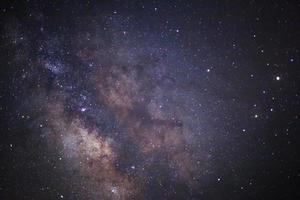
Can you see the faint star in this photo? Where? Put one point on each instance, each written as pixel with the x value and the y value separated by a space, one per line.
pixel 114 190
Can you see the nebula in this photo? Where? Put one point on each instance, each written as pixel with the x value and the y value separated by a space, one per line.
pixel 149 100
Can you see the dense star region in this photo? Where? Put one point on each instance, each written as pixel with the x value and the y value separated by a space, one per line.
pixel 149 100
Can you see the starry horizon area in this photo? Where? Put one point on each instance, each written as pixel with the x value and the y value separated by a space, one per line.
pixel 149 100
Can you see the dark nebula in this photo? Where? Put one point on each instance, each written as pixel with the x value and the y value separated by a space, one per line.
pixel 149 100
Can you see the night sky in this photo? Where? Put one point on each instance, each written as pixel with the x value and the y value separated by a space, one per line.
pixel 151 100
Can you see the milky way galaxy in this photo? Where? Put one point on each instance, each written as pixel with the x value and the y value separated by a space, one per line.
pixel 149 100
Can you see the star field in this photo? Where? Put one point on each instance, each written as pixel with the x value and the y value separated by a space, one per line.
pixel 149 100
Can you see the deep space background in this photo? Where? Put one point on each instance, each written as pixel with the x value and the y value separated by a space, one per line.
pixel 149 99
